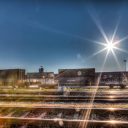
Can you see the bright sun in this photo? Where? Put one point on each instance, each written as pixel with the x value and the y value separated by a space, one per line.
pixel 110 46
pixel 110 42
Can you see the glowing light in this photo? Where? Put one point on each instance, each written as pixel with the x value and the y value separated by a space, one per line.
pixel 112 92
pixel 113 121
pixel 110 46
pixel 111 97
pixel 111 109
pixel 61 123
pixel 55 119
pixel 77 109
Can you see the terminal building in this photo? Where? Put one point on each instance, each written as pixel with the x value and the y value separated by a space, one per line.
pixel 76 77
pixel 12 76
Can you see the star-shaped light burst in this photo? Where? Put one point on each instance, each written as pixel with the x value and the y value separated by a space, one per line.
pixel 110 45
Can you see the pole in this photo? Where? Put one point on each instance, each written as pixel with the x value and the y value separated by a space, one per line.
pixel 125 61
pixel 125 74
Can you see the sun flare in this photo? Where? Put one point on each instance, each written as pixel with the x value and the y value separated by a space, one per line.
pixel 110 46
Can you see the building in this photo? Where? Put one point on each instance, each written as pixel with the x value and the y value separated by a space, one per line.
pixel 41 77
pixel 111 77
pixel 76 77
pixel 12 76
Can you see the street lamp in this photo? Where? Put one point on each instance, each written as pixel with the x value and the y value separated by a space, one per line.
pixel 125 61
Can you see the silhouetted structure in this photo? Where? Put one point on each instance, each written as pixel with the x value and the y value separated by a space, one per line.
pixel 76 77
pixel 41 77
pixel 113 77
pixel 12 76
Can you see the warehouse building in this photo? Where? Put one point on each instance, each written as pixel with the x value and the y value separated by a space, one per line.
pixel 76 77
pixel 12 76
pixel 111 77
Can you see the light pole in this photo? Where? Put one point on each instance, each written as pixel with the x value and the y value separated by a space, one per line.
pixel 125 61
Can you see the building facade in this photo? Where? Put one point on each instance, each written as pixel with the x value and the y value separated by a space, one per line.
pixel 12 76
pixel 111 77
pixel 41 77
pixel 76 77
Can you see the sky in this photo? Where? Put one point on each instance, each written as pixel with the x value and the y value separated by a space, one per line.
pixel 61 34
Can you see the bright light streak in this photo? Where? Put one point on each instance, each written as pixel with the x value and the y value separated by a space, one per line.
pixel 116 59
pixel 113 121
pixel 87 114
pixel 115 31
pixel 99 51
pixel 112 92
pixel 111 97
pixel 121 40
pixel 111 109
pixel 55 119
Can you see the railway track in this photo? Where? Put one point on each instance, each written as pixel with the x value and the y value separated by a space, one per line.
pixel 54 109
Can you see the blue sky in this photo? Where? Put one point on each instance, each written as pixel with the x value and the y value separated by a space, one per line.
pixel 56 34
